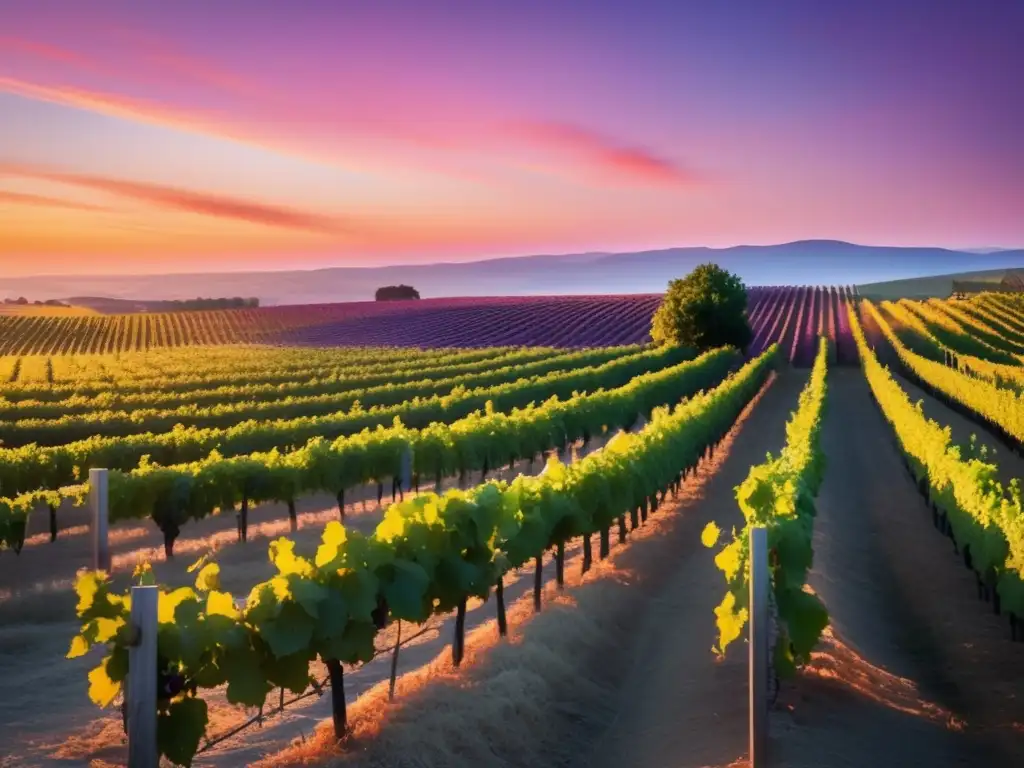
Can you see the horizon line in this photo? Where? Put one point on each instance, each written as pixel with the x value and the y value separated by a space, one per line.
pixel 486 259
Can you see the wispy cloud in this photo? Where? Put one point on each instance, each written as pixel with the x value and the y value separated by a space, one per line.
pixel 317 128
pixel 602 153
pixel 114 105
pixel 36 49
pixel 44 201
pixel 191 201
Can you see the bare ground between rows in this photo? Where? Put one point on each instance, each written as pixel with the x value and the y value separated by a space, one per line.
pixel 914 669
pixel 43 699
pixel 672 703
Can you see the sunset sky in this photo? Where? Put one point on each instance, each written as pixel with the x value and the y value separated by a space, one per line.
pixel 142 136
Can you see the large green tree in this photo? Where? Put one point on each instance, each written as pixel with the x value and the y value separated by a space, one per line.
pixel 705 309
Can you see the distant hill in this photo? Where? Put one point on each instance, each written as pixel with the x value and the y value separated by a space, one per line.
pixel 809 262
pixel 935 286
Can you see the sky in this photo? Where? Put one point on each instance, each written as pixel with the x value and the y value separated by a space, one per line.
pixel 139 136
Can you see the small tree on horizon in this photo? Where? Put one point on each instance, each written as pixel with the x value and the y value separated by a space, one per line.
pixel 704 310
pixel 396 293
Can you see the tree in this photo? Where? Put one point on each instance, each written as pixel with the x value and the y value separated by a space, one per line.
pixel 705 309
pixel 396 293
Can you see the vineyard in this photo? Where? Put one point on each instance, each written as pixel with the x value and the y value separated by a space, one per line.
pixel 514 531
pixel 558 321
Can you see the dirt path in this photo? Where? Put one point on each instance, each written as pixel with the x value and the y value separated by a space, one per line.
pixel 676 705
pixel 1010 464
pixel 915 670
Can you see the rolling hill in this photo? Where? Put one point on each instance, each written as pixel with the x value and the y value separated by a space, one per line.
pixel 809 262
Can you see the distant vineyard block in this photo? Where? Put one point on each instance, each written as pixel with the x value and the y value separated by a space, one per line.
pixel 554 321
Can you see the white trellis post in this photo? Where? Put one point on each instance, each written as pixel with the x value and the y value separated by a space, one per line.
pixel 99 502
pixel 141 693
pixel 759 670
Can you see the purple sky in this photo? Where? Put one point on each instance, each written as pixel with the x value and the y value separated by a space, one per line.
pixel 155 136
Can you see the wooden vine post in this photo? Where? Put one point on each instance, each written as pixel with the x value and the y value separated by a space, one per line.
pixel 99 502
pixel 759 670
pixel 142 679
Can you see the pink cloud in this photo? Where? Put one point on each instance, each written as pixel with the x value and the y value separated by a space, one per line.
pixel 35 49
pixel 191 201
pixel 317 127
pixel 106 103
pixel 43 201
pixel 602 153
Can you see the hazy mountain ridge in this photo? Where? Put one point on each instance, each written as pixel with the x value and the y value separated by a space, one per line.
pixel 812 262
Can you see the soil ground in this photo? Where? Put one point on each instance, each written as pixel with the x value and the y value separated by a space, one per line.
pixel 915 669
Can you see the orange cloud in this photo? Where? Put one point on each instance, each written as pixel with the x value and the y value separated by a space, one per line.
pixel 191 201
pixel 111 104
pixel 602 153
pixel 24 198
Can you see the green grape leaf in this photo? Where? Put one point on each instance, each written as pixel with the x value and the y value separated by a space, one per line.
pixel 406 590
pixel 94 598
pixel 79 647
pixel 117 664
pixel 102 689
pixel 289 672
pixel 359 588
pixel 731 559
pixel 168 602
pixel 208 578
pixel 330 554
pixel 107 629
pixel 354 646
pixel 210 675
pixel 282 555
pixel 262 604
pixel 247 683
pixel 805 618
pixel 307 593
pixel 180 729
pixel 709 536
pixel 333 615
pixel 221 604
pixel 730 620
pixel 87 586
pixel 290 631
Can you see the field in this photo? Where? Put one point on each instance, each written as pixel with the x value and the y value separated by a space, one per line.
pixel 556 321
pixel 529 522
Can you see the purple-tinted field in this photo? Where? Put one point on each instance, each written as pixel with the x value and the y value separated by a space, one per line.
pixel 792 316
pixel 557 321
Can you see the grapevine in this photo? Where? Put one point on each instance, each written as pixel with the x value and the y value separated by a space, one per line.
pixel 427 556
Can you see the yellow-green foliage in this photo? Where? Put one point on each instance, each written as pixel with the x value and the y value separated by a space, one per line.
pixel 779 495
pixel 986 518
